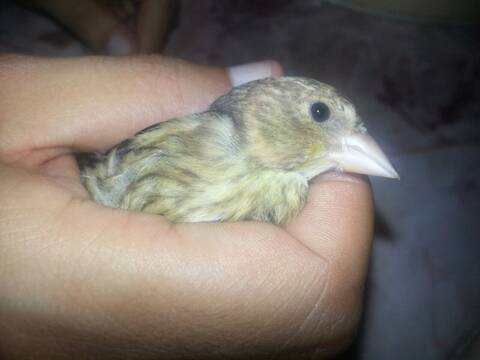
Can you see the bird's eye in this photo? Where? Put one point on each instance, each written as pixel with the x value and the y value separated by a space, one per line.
pixel 320 112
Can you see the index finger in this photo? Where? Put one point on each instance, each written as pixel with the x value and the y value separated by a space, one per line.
pixel 91 103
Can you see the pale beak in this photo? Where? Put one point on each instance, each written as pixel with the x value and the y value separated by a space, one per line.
pixel 360 154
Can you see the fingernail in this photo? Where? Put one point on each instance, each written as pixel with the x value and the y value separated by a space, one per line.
pixel 119 44
pixel 333 176
pixel 241 74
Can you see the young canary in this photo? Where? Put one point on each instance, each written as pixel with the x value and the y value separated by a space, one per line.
pixel 249 156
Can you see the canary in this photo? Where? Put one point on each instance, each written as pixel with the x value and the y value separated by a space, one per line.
pixel 249 156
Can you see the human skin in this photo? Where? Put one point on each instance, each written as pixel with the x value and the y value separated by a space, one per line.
pixel 78 280
pixel 113 26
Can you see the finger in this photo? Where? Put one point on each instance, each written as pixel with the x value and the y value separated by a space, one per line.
pixel 153 21
pixel 123 9
pixel 90 104
pixel 95 24
pixel 337 224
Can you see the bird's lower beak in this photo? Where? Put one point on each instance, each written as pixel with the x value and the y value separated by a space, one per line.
pixel 360 154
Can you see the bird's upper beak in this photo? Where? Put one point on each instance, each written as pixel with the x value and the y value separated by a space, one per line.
pixel 359 153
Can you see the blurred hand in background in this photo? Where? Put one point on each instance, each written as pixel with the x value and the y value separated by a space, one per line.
pixel 115 27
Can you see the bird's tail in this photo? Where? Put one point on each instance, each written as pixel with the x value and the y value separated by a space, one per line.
pixel 103 181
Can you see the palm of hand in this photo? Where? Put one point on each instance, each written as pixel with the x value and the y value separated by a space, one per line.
pixel 122 280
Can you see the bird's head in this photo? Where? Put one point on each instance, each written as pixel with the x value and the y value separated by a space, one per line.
pixel 302 125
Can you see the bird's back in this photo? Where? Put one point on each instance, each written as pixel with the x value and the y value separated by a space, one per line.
pixel 193 170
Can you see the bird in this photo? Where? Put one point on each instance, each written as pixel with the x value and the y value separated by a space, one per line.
pixel 250 156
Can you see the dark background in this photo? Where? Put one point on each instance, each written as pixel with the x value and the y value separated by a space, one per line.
pixel 416 84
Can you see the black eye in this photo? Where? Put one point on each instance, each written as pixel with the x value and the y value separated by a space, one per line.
pixel 320 112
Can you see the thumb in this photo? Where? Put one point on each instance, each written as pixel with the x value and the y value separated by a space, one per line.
pixel 337 224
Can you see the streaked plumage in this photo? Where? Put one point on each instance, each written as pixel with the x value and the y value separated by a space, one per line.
pixel 249 156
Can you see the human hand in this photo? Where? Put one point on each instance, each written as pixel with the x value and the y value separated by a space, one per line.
pixel 115 27
pixel 79 280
